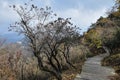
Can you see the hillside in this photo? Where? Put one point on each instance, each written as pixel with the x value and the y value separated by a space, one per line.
pixel 105 34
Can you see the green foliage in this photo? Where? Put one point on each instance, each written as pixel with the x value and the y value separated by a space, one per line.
pixel 92 37
pixel 114 43
pixel 90 55
pixel 116 14
pixel 117 3
pixel 103 20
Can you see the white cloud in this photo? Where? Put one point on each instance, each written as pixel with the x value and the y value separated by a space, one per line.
pixel 6 14
pixel 46 2
pixel 82 17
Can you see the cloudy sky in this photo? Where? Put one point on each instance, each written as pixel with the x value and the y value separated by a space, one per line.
pixel 82 12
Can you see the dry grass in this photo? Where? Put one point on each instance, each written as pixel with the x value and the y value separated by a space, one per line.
pixel 16 66
pixel 71 73
pixel 113 61
pixel 114 77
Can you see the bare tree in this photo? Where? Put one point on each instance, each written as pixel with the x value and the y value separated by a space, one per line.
pixel 50 41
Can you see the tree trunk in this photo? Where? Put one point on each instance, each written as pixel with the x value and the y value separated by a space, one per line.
pixel 58 76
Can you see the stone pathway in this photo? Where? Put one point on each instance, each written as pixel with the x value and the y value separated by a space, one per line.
pixel 92 70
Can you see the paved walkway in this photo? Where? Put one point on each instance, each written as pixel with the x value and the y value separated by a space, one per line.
pixel 92 70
